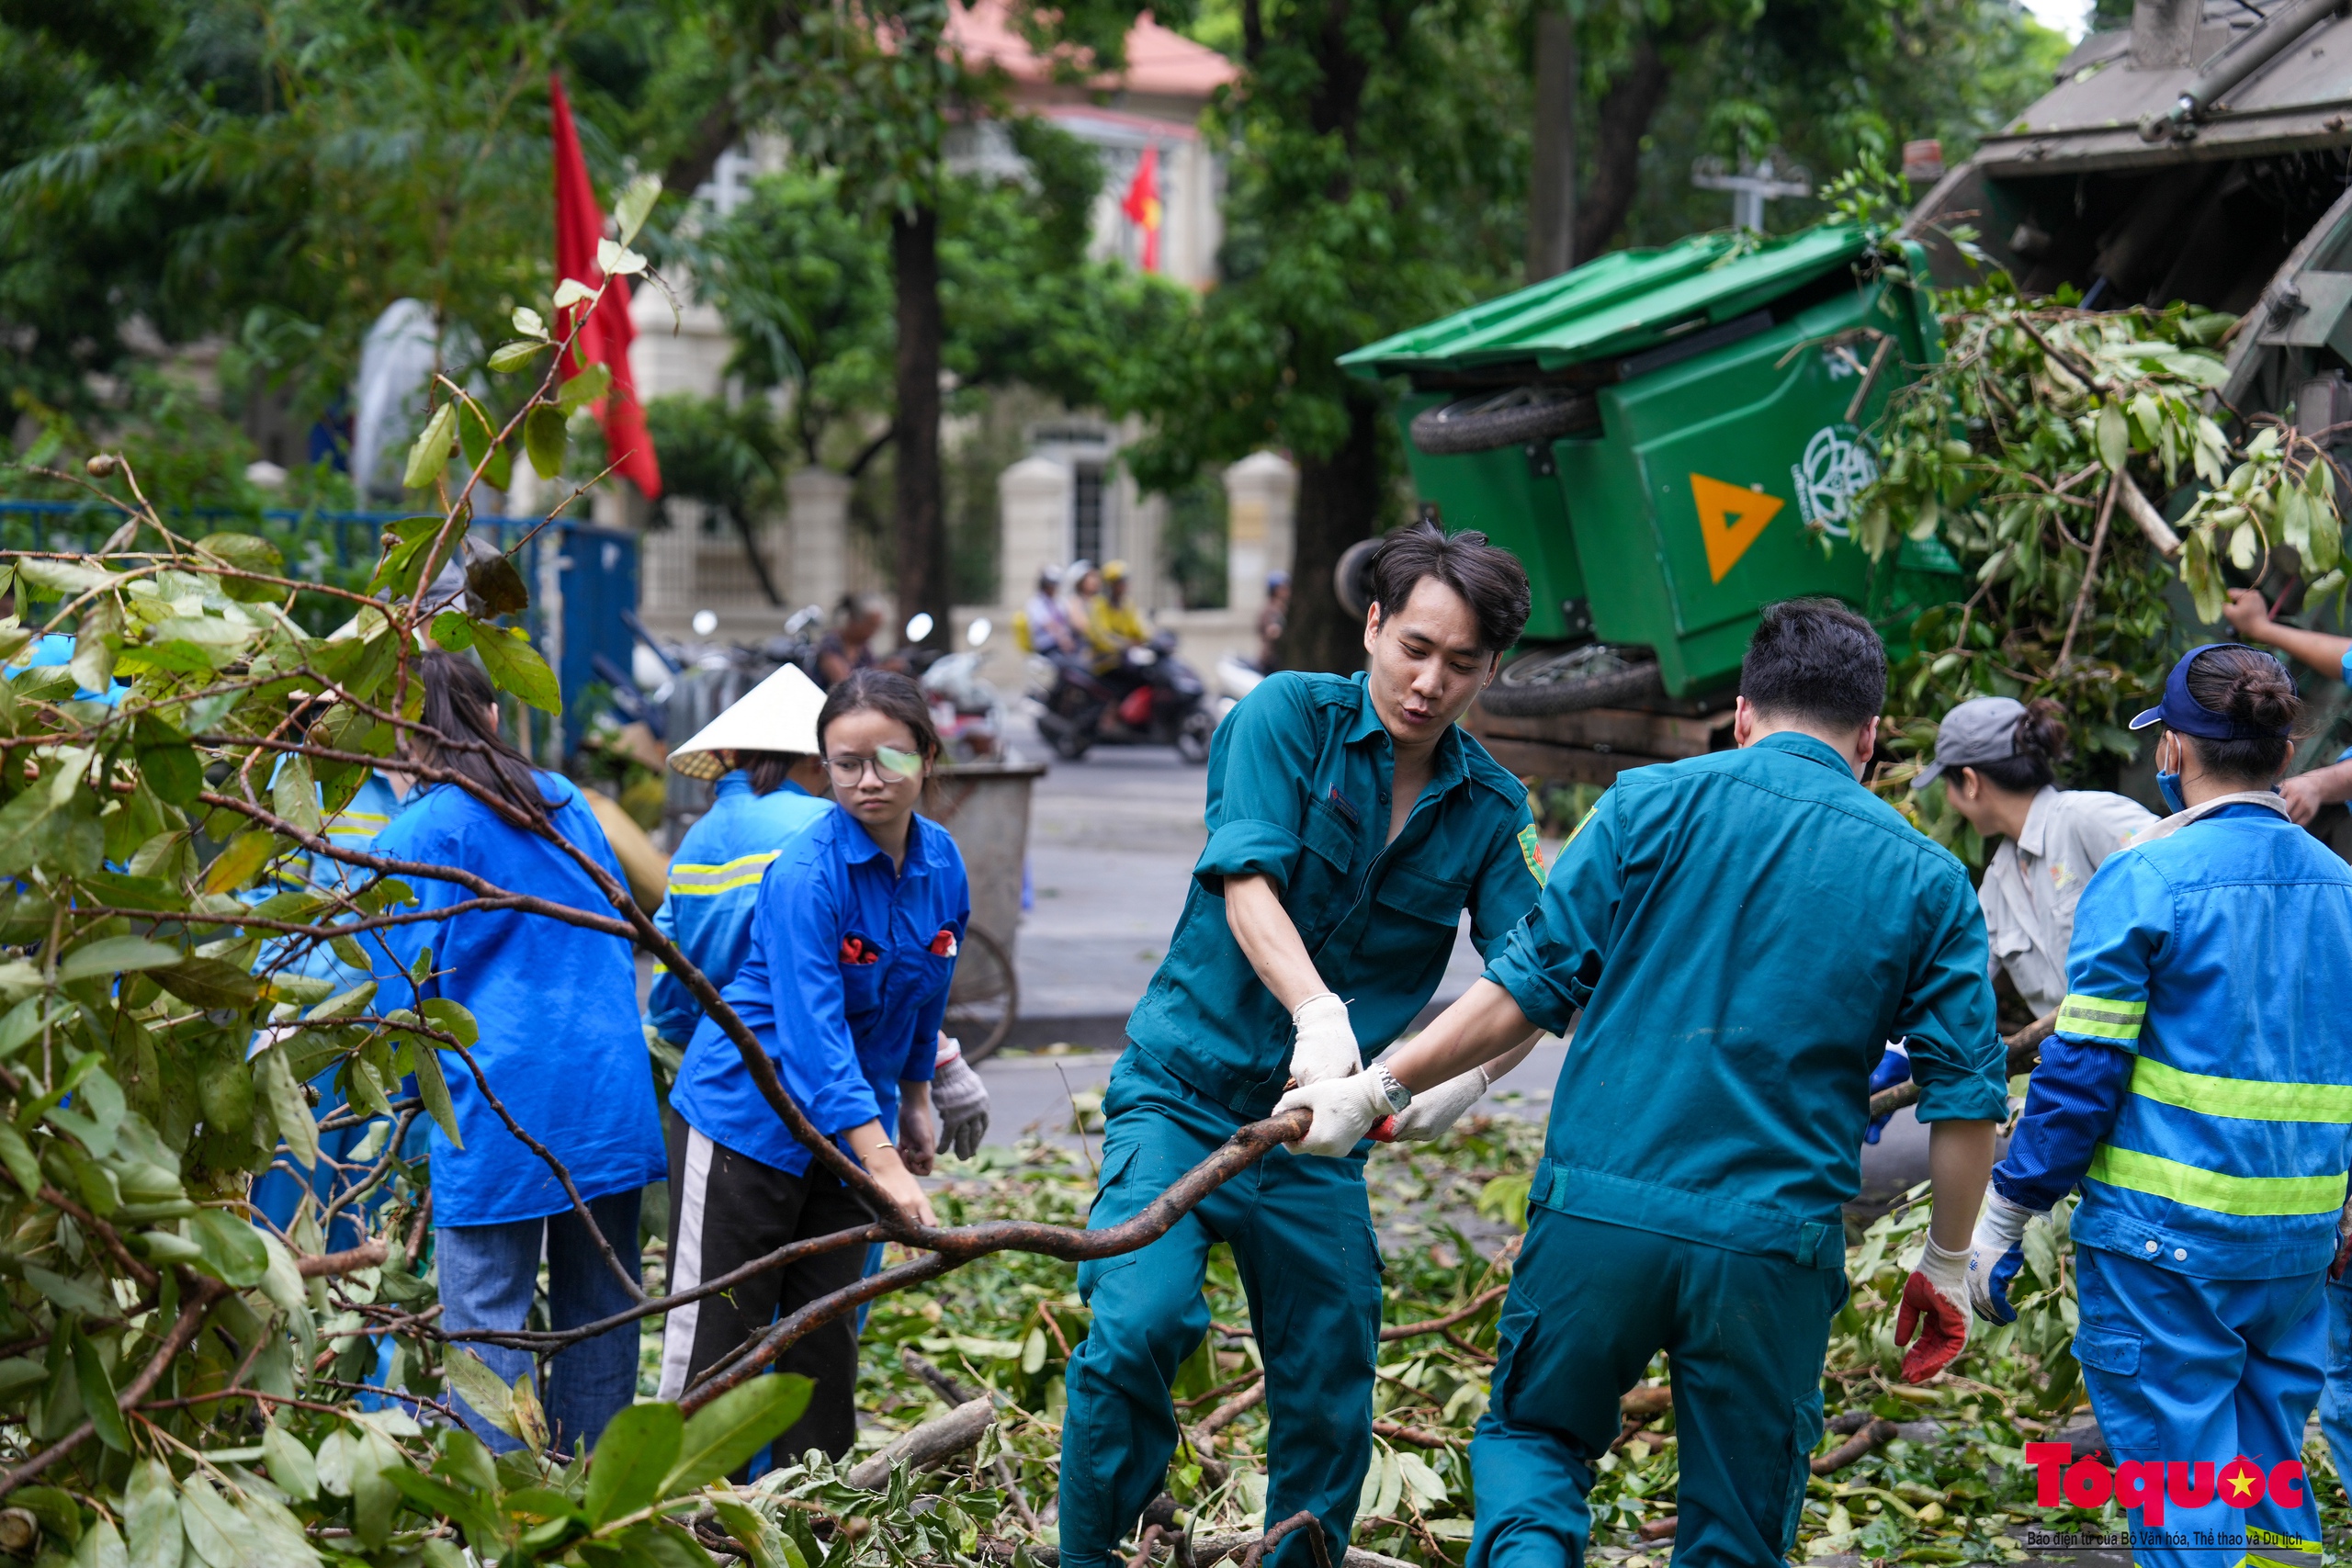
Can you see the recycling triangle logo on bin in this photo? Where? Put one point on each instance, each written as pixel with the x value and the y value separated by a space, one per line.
pixel 1730 518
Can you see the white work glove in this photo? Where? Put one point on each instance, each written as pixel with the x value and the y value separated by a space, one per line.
pixel 1327 1041
pixel 1994 1257
pixel 1935 1302
pixel 961 1102
pixel 1345 1109
pixel 1435 1110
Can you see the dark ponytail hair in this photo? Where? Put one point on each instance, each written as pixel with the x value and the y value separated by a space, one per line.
pixel 2250 688
pixel 2041 742
pixel 889 693
pixel 457 703
pixel 768 770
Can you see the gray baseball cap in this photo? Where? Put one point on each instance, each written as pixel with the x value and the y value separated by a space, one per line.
pixel 1980 730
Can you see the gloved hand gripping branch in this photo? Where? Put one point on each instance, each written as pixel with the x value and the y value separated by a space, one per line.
pixel 1892 1068
pixel 1433 1111
pixel 961 1102
pixel 1344 1111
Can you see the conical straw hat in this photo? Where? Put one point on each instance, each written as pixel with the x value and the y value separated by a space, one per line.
pixel 777 715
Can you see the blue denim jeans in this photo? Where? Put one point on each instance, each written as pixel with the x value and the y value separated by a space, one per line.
pixel 489 1274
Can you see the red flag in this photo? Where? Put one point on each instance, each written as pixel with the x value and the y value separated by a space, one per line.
pixel 1142 204
pixel 605 336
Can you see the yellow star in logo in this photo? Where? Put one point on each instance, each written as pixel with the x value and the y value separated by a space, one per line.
pixel 2241 1483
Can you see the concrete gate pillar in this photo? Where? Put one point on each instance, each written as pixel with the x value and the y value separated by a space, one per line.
pixel 818 501
pixel 1261 498
pixel 1033 504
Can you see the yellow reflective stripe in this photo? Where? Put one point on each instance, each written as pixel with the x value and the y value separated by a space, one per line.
pixel 2248 1099
pixel 2252 1195
pixel 366 823
pixel 734 873
pixel 2100 1019
pixel 660 967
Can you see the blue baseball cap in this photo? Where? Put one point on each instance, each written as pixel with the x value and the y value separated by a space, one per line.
pixel 2184 712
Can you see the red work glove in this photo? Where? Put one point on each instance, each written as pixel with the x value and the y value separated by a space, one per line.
pixel 1935 1301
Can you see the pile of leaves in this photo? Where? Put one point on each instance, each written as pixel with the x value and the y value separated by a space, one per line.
pixel 2047 449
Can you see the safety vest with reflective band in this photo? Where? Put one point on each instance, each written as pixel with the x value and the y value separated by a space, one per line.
pixel 714 887
pixel 2213 949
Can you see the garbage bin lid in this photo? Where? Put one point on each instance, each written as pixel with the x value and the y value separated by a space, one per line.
pixel 1621 303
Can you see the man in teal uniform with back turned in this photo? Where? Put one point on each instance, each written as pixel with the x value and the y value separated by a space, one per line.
pixel 1350 825
pixel 1744 931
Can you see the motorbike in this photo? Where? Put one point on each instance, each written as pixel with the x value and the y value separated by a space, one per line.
pixel 967 710
pixel 1152 698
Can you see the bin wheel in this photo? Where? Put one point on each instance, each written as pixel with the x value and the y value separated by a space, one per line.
pixel 1557 680
pixel 984 997
pixel 1192 736
pixel 1485 422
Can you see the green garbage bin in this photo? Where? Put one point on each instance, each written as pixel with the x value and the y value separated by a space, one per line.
pixel 1670 440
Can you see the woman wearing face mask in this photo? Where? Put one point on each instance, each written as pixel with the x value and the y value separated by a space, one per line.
pixel 852 944
pixel 1998 758
pixel 2199 1093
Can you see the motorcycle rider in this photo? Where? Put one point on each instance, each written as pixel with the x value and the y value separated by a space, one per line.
pixel 1045 626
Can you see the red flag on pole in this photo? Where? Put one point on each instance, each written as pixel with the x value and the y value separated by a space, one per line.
pixel 1142 204
pixel 605 336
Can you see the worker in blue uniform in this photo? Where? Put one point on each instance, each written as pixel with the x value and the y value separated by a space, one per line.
pixel 1350 822
pixel 560 1046
pixel 853 947
pixel 1743 931
pixel 762 755
pixel 2199 1093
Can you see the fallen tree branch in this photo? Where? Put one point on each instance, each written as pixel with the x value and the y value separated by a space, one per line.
pixel 1880 1431
pixel 927 1444
pixel 2025 1050
pixel 323 1265
pixel 1419 1436
pixel 1477 1303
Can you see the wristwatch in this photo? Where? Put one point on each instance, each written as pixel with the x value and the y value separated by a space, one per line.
pixel 1399 1095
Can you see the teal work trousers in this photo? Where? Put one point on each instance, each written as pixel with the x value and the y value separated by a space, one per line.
pixel 1301 1232
pixel 1589 1304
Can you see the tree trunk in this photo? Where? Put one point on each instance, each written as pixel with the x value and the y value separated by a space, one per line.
pixel 1623 119
pixel 922 528
pixel 1339 503
pixel 1551 194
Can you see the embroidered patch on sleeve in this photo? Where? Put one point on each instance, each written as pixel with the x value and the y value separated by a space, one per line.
pixel 1531 848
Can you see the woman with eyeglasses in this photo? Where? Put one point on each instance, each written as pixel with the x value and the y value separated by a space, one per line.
pixel 845 984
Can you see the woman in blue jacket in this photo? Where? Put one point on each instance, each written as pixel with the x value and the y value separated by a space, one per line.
pixel 2198 1091
pixel 852 944
pixel 560 1047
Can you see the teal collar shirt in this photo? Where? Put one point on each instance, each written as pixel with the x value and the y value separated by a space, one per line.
pixel 1744 931
pixel 1300 786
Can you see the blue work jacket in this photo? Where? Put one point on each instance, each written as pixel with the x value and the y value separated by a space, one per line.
pixel 2205 1107
pixel 845 983
pixel 1299 789
pixel 1744 931
pixel 354 827
pixel 715 887
pixel 557 1006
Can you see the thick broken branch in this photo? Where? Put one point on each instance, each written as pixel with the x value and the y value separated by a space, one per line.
pixel 1880 1431
pixel 2025 1050
pixel 926 1445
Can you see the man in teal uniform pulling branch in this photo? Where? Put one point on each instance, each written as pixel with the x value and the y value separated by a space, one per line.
pixel 1744 932
pixel 1349 824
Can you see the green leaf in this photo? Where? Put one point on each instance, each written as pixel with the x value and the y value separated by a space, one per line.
pixel 294 794
pixel 209 982
pixel 239 863
pixel 232 1250
pixel 514 665
pixel 453 631
pixel 511 357
pixel 752 1532
pixel 543 438
pixel 96 645
pixel 97 1388
pixel 22 822
pixel 481 1388
pixel 636 1452
pixel 172 772
pixel 2114 437
pixel 430 1086
pixel 582 389
pixel 492 578
pixel 375 1489
pixel 116 956
pixel 287 1106
pixel 152 1516
pixel 471 1511
pixel 246 552
pixel 101 1547
pixel 72 1295
pixel 478 436
pixel 635 205
pixel 430 456
pixel 17 1156
pixel 727 1432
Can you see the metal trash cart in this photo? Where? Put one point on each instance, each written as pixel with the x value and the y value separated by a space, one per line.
pixel 984 808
